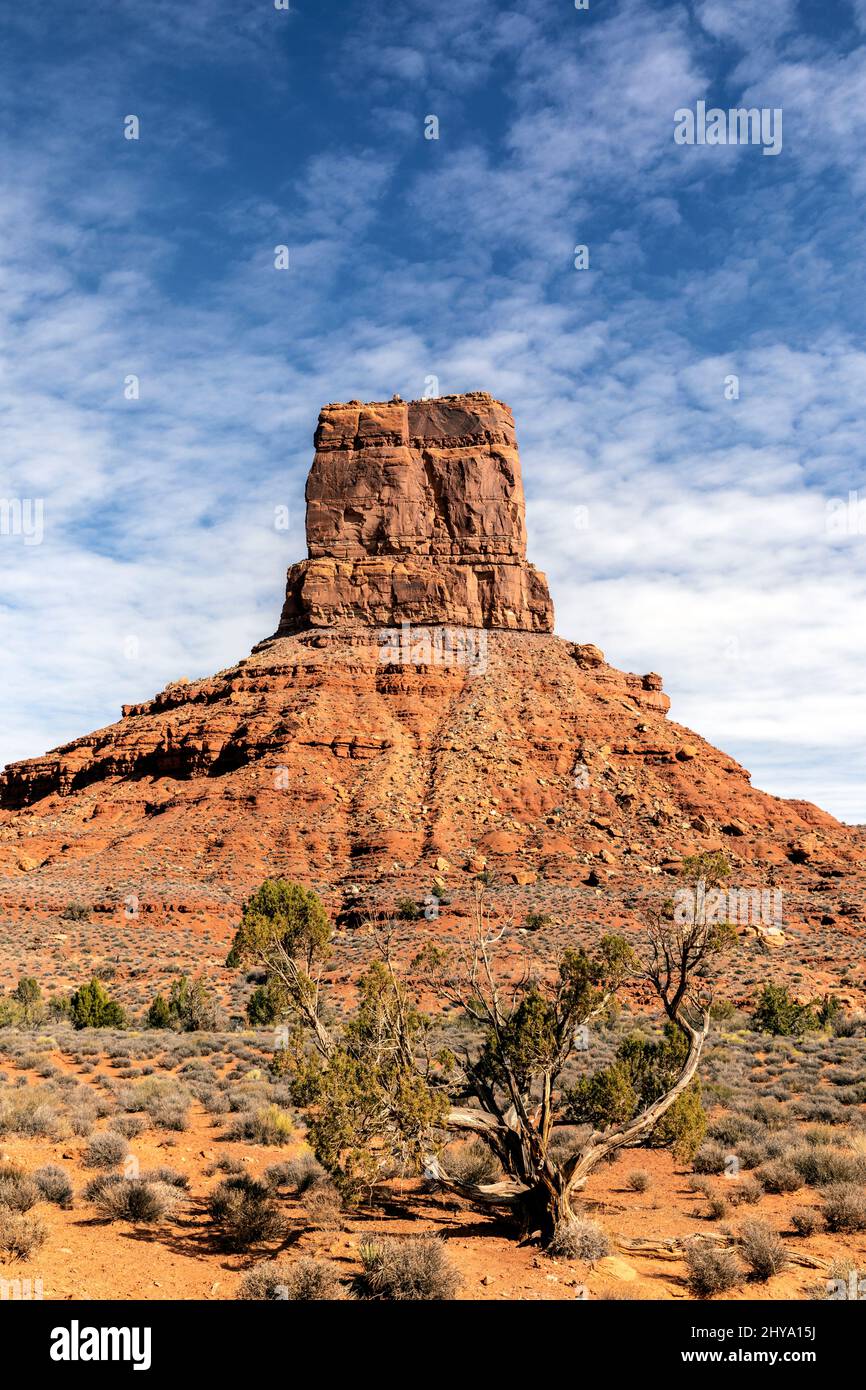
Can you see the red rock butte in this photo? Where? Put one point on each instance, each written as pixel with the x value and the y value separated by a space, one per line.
pixel 415 513
pixel 327 757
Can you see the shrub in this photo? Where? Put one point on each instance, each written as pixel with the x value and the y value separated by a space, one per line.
pixel 323 1205
pixel 845 1207
pixel 579 1239
pixel 133 1199
pixel 416 1268
pixel 763 1250
pixel 297 1174
pixel 54 1184
pixel 169 1176
pixel 95 1188
pixel 472 1163
pixel 746 1191
pixel 244 1211
pixel 130 1126
pixel 270 1125
pixel 717 1206
pixel 407 910
pixel 18 1192
pixel 168 1108
pixel 819 1166
pixel 638 1180
pixel 20 1235
pixel 806 1220
pixel 779 1175
pixel 710 1271
pixel 710 1158
pixel 105 1150
pixel 306 1281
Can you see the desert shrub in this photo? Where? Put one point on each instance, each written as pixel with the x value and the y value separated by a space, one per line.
pixel 579 1239
pixel 105 1150
pixel 269 1125
pixel 169 1176
pixel 819 1166
pixel 415 1268
pixel 20 1235
pixel 732 1128
pixel 306 1281
pixel 710 1271
pixel 638 1180
pixel 473 1162
pixel 779 1175
pixel 134 1199
pixel 130 1126
pixel 746 1191
pixel 717 1206
pixel 244 1211
pixel 75 912
pixel 753 1152
pixel 845 1207
pixel 323 1205
pixel 806 1220
pixel 18 1192
pixel 843 1280
pixel 95 1188
pixel 710 1158
pixel 54 1184
pixel 537 921
pixel 297 1174
pixel 169 1110
pixel 763 1250
pixel 407 910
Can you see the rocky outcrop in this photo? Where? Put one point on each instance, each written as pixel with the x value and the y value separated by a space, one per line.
pixel 367 768
pixel 416 514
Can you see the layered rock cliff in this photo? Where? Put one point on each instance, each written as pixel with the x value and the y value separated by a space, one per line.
pixel 415 513
pixel 350 758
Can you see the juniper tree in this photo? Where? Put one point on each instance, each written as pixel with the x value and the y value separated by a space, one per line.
pixel 378 1093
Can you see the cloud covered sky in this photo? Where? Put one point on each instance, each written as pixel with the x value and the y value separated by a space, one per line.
pixel 682 530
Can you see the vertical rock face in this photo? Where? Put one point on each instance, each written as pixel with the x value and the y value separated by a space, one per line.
pixel 415 513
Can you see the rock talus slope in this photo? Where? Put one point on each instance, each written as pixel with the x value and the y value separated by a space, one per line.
pixel 333 755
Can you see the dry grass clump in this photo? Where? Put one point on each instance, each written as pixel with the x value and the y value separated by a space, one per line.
pixel 134 1199
pixel 416 1268
pixel 307 1281
pixel 763 1250
pixel 244 1212
pixel 20 1235
pixel 579 1239
pixel 710 1271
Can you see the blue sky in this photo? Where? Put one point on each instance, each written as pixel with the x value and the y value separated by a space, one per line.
pixel 708 547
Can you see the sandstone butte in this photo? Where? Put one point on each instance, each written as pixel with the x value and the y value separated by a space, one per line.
pixel 413 716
